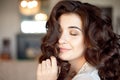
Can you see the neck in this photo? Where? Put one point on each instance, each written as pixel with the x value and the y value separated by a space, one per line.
pixel 77 64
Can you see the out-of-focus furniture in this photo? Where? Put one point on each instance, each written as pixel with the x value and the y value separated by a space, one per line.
pixel 28 45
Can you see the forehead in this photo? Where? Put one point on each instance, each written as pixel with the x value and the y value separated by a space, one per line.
pixel 70 19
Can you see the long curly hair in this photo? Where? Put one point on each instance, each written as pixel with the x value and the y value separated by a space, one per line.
pixel 103 45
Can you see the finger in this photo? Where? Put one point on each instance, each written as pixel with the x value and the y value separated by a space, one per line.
pixel 48 64
pixel 43 66
pixel 39 69
pixel 53 62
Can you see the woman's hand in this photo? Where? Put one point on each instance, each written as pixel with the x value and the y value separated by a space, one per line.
pixel 47 70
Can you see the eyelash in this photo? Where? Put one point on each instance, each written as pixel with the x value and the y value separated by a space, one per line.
pixel 73 34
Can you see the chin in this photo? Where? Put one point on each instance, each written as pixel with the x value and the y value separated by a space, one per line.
pixel 65 58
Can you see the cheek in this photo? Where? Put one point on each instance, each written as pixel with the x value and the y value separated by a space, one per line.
pixel 78 40
pixel 79 44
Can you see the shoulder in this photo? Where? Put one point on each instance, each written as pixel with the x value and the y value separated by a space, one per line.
pixel 87 72
pixel 87 76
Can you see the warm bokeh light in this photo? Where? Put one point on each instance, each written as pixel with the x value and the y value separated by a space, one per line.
pixel 23 4
pixel 41 17
pixel 35 3
pixel 29 7
pixel 29 4
pixel 32 4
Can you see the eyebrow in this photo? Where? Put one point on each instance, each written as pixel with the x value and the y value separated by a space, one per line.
pixel 75 27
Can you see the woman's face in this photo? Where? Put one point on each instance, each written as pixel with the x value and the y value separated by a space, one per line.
pixel 71 42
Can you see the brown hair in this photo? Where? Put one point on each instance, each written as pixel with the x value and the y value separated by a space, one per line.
pixel 103 45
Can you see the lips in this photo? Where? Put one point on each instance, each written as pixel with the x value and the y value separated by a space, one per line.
pixel 62 50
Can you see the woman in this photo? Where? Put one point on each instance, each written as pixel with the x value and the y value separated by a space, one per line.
pixel 79 45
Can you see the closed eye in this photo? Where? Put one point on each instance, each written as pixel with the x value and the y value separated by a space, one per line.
pixel 74 33
pixel 74 30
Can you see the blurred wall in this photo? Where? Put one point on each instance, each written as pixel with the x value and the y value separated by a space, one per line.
pixel 9 23
pixel 10 18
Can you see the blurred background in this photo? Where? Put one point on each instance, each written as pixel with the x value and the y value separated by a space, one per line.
pixel 22 25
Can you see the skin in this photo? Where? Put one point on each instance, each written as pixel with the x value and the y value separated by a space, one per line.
pixel 47 70
pixel 71 44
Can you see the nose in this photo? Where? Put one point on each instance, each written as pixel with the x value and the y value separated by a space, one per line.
pixel 63 39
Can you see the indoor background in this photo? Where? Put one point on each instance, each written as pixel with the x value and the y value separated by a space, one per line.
pixel 21 30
